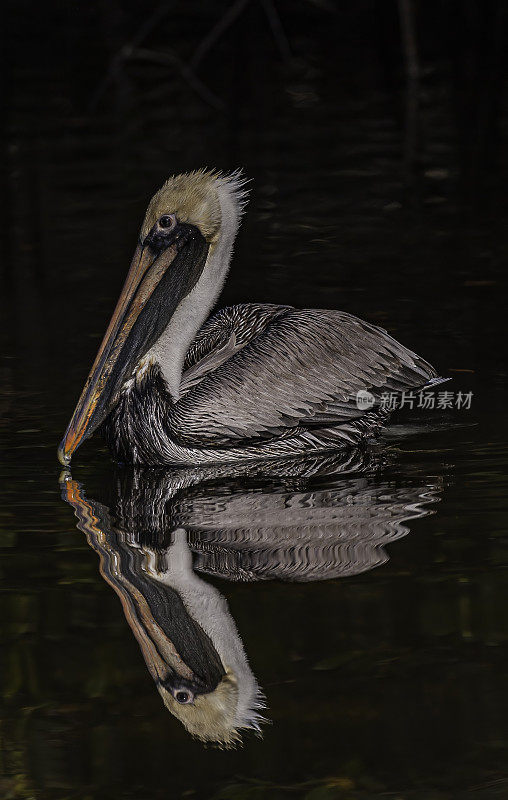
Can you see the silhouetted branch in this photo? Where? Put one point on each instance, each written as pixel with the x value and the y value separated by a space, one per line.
pixel 278 31
pixel 118 59
pixel 169 57
pixel 216 32
pixel 132 49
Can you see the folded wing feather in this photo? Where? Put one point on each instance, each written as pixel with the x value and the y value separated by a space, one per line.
pixel 257 370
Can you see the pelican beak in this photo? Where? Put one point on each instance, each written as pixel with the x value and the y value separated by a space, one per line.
pixel 179 655
pixel 162 272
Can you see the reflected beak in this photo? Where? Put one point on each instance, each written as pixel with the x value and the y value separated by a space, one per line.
pixel 124 343
pixel 174 646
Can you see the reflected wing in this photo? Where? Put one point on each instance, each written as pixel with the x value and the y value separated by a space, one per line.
pixel 291 369
pixel 305 535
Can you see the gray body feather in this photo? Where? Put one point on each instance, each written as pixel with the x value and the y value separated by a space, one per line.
pixel 265 381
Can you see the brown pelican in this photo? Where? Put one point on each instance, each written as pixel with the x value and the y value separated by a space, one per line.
pixel 186 633
pixel 253 382
pixel 167 525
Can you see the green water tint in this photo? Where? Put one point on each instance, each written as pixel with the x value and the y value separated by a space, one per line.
pixel 414 646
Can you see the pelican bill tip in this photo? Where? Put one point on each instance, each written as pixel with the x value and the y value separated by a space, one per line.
pixel 63 456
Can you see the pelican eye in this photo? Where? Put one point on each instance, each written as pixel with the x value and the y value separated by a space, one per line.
pixel 183 697
pixel 167 221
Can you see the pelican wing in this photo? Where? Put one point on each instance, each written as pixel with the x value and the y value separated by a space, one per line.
pixel 225 334
pixel 269 370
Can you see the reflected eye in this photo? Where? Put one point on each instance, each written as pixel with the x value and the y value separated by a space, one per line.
pixel 167 221
pixel 183 697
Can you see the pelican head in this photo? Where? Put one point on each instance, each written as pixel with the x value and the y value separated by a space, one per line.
pixel 190 224
pixel 212 717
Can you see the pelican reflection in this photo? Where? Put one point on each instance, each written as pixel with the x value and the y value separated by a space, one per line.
pixel 301 523
pixel 314 519
pixel 182 624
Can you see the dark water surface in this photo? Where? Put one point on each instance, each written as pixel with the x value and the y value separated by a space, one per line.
pixel 371 594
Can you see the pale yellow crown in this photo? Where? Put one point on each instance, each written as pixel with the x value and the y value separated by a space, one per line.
pixel 213 717
pixel 194 198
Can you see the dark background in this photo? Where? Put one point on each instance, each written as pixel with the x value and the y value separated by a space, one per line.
pixel 378 160
pixel 376 137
